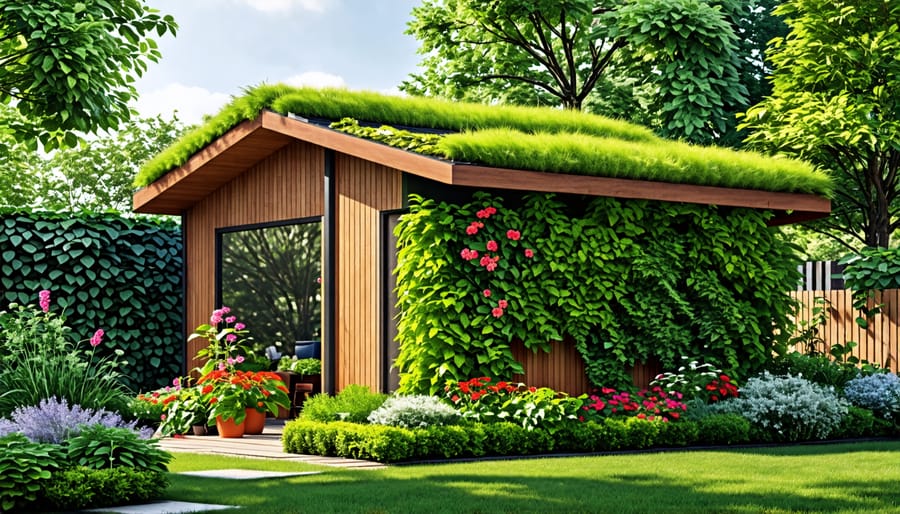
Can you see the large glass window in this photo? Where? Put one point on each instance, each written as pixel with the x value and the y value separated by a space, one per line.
pixel 270 277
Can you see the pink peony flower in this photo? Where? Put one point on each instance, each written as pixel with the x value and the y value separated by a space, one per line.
pixel 230 319
pixel 487 293
pixel 239 326
pixel 513 234
pixel 225 310
pixel 502 304
pixel 492 246
pixel 497 312
pixel 471 230
pixel 231 338
pixel 529 253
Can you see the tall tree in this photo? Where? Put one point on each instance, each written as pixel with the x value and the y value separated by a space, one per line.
pixel 95 175
pixel 672 64
pixel 71 65
pixel 836 102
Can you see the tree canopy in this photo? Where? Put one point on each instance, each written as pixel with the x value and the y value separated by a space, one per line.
pixel 70 66
pixel 680 66
pixel 94 175
pixel 836 103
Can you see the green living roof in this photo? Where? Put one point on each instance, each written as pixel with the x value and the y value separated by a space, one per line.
pixel 527 138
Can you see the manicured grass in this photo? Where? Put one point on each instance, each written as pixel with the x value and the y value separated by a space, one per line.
pixel 834 478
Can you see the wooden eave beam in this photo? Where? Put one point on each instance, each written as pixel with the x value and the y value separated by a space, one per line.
pixel 800 207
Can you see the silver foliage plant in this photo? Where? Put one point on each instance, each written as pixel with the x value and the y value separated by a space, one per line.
pixel 414 411
pixel 789 407
pixel 879 393
pixel 53 421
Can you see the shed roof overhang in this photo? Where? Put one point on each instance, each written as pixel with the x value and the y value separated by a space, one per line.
pixel 252 141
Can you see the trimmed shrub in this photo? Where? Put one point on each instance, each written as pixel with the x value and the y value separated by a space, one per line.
pixel 789 408
pixel 859 422
pixel 723 429
pixel 879 393
pixel 81 487
pixel 353 404
pixel 682 433
pixel 24 468
pixel 53 421
pixel 449 442
pixel 504 438
pixel 414 411
pixel 374 442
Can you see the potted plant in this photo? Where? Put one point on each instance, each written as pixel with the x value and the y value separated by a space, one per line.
pixel 295 371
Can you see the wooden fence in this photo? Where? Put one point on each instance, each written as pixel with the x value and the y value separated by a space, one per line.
pixel 878 344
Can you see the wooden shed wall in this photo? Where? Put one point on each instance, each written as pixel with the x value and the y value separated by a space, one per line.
pixel 287 185
pixel 363 189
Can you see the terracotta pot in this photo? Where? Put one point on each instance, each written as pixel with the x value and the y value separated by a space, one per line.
pixel 228 428
pixel 255 422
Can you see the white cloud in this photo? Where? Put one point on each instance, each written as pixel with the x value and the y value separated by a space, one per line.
pixel 275 6
pixel 191 102
pixel 316 79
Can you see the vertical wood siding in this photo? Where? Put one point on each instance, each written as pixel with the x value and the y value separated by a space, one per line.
pixel 287 185
pixel 363 189
pixel 878 344
pixel 562 369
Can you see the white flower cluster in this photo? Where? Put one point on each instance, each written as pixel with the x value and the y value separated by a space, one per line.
pixel 414 411
pixel 791 406
pixel 879 393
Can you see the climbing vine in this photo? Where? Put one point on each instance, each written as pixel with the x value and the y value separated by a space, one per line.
pixel 628 281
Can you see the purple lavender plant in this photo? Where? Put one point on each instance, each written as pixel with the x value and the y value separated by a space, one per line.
pixel 52 421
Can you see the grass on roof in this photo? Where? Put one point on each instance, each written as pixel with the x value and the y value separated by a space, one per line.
pixel 533 138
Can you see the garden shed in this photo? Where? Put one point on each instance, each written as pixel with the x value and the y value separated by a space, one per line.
pixel 345 165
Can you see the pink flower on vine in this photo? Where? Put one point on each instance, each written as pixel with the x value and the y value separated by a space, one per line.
pixel 486 213
pixel 97 338
pixel 468 254
pixel 497 312
pixel 44 300
pixel 502 304
pixel 239 326
pixel 529 253
pixel 513 234
pixel 487 293
pixel 492 246
pixel 491 266
pixel 471 230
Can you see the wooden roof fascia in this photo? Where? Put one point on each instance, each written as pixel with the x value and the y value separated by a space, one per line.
pixel 417 164
pixel 800 205
pixel 180 185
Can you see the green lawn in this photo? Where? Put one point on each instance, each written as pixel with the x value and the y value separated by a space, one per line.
pixel 837 478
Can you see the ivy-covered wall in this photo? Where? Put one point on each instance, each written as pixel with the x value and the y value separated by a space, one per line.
pixel 103 271
pixel 630 281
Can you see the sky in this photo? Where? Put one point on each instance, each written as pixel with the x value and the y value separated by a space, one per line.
pixel 223 46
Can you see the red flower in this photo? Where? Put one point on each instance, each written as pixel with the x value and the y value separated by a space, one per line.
pixel 454 398
pixel 724 378
pixel 529 253
pixel 487 293
pixel 513 234
pixel 469 254
pixel 207 389
pixel 472 230
pixel 491 266
pixel 476 395
pixel 464 387
pixel 502 304
pixel 497 312
pixel 213 400
pixel 492 245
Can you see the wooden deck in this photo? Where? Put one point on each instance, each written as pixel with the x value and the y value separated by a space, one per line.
pixel 264 446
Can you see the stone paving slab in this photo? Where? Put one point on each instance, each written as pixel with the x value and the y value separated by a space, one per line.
pixel 247 474
pixel 165 507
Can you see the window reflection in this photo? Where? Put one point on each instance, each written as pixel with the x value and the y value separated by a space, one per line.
pixel 270 277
